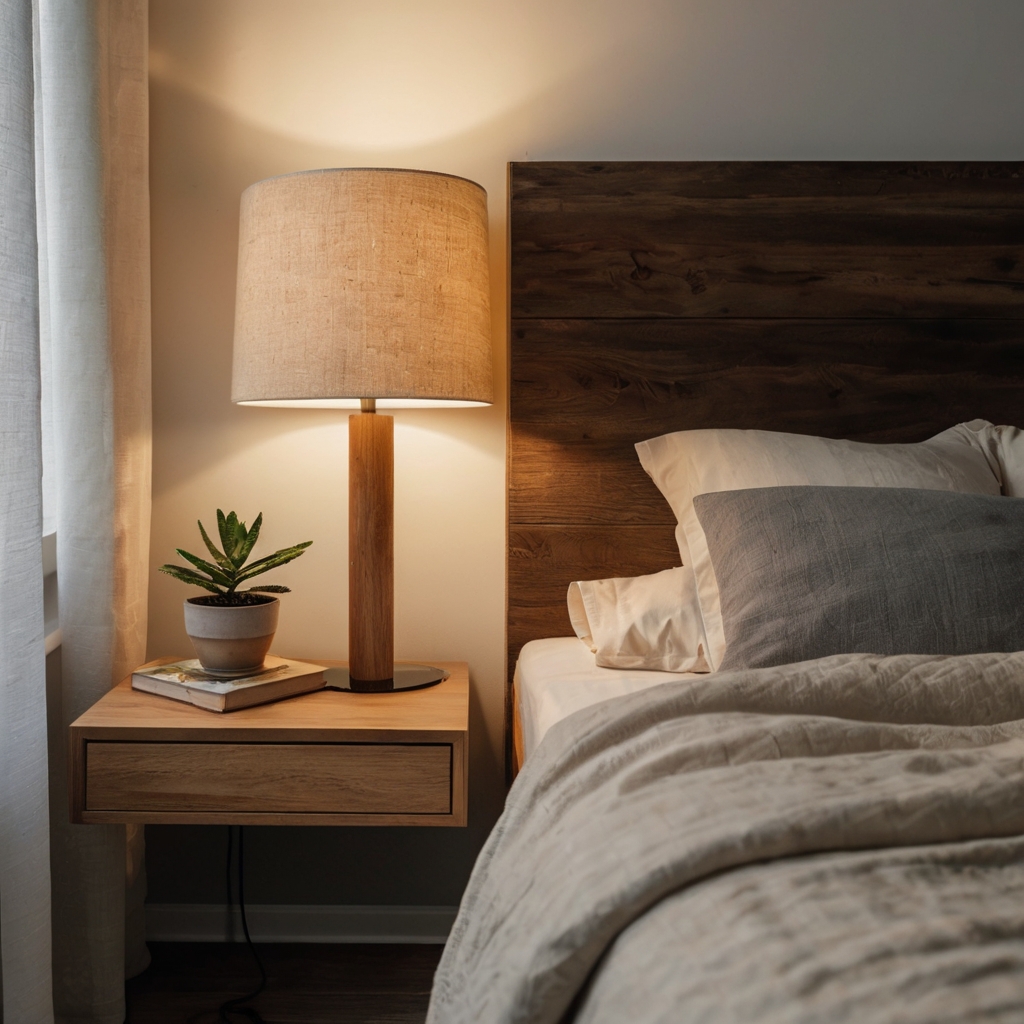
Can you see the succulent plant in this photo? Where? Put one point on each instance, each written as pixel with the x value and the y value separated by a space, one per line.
pixel 228 569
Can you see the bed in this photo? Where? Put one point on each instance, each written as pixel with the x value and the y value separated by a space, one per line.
pixel 780 842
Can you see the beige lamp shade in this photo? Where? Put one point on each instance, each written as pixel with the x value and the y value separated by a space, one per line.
pixel 363 283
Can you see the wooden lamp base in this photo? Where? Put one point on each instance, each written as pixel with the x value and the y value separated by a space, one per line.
pixel 371 548
pixel 371 564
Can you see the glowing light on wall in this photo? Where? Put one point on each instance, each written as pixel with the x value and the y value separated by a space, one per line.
pixel 388 75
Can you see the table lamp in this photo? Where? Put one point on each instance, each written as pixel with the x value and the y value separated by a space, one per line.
pixel 365 288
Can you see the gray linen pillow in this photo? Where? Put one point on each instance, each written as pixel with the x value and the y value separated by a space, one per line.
pixel 806 572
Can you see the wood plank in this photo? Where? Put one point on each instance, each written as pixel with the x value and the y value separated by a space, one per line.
pixel 877 380
pixel 347 819
pixel 459 810
pixel 914 223
pixel 653 362
pixel 76 775
pixel 439 713
pixel 544 560
pixel 583 482
pixel 325 778
pixel 583 392
pixel 655 240
pixel 609 273
pixel 547 185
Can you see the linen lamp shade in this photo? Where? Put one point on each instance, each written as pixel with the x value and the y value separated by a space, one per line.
pixel 363 283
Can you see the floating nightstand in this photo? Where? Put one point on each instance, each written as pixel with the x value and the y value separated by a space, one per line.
pixel 324 758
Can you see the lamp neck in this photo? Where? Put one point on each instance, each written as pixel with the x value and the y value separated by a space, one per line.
pixel 367 404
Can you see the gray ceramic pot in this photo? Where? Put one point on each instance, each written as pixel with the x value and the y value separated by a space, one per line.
pixel 231 641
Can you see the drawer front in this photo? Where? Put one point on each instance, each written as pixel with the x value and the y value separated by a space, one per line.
pixel 328 778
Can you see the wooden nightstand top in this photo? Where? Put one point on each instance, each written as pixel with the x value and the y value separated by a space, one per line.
pixel 369 758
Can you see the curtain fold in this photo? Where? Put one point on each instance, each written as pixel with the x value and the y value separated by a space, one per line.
pixel 74 304
pixel 124 102
pixel 24 844
pixel 92 146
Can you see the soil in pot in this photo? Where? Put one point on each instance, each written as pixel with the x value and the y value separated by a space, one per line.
pixel 235 601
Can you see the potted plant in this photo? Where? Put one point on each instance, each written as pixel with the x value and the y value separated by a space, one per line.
pixel 232 629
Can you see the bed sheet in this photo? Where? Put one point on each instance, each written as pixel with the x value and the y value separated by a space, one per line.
pixel 558 676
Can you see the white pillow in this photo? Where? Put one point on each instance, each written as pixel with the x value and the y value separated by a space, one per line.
pixel 651 622
pixel 1005 447
pixel 691 462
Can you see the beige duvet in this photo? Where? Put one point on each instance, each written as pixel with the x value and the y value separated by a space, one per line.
pixel 831 841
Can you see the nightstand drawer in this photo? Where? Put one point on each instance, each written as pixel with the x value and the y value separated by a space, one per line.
pixel 319 778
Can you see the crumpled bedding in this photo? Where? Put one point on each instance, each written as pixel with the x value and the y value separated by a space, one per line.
pixel 834 840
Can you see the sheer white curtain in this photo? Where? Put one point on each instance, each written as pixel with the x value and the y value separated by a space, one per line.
pixel 24 842
pixel 86 123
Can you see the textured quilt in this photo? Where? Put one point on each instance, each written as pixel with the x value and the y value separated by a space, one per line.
pixel 838 840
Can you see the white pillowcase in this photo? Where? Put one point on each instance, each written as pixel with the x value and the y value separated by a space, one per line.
pixel 1004 447
pixel 964 458
pixel 650 622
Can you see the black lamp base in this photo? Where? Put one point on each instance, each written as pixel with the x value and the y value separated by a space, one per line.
pixel 405 677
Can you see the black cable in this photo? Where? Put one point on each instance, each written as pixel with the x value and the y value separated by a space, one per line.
pixel 233 1006
pixel 227 886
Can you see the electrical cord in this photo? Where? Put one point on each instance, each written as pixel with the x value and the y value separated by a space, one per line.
pixel 233 1008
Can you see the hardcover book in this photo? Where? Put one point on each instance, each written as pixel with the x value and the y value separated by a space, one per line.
pixel 186 681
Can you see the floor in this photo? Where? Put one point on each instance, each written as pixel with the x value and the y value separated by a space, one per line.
pixel 306 984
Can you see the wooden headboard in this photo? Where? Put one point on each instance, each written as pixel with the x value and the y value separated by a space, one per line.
pixel 874 301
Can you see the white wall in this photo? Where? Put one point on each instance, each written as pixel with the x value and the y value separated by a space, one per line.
pixel 245 89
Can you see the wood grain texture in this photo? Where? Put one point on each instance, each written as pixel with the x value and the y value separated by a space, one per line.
pixel 654 240
pixel 435 716
pixel 621 278
pixel 371 546
pixel 315 778
pixel 619 380
pixel 584 391
pixel 581 185
pixel 459 783
pixel 880 302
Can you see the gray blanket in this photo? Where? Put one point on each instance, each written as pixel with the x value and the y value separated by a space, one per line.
pixel 829 841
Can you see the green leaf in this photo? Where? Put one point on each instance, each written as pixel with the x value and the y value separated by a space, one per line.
pixel 278 558
pixel 226 579
pixel 249 542
pixel 179 572
pixel 232 526
pixel 240 538
pixel 222 560
pixel 292 552
pixel 222 529
pixel 270 588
